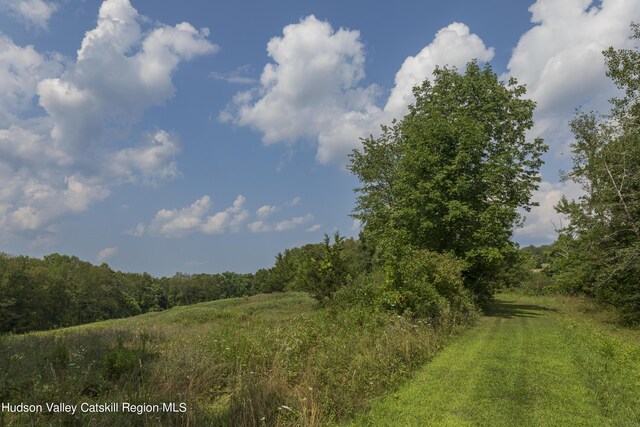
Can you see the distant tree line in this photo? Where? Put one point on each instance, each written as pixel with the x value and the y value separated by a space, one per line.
pixel 60 290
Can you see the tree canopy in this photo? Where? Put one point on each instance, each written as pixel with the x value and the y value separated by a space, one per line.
pixel 451 176
pixel 603 235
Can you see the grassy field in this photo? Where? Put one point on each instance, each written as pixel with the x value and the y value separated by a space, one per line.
pixel 280 360
pixel 531 361
pixel 265 360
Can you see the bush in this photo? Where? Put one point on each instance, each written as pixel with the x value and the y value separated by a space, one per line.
pixel 427 284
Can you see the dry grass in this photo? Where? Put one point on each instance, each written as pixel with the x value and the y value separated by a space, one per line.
pixel 265 360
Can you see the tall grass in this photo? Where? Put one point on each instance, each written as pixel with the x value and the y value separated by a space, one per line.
pixel 263 360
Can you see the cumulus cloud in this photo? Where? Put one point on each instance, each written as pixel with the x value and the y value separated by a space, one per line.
pixel 119 73
pixel 62 162
pixel 198 219
pixel 264 224
pixel 453 45
pixel 33 13
pixel 541 223
pixel 195 218
pixel 560 58
pixel 231 219
pixel 314 227
pixel 261 226
pixel 39 200
pixel 106 253
pixel 313 91
pixel 24 146
pixel 266 210
pixel 152 161
pixel 21 68
pixel 312 82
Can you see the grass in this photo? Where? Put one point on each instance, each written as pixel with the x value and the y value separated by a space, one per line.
pixel 265 360
pixel 530 361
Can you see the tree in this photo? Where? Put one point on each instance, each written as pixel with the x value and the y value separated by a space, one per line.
pixel 604 228
pixel 323 276
pixel 452 175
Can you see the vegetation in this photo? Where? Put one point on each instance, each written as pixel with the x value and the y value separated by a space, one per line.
pixel 262 360
pixel 600 248
pixel 532 361
pixel 61 290
pixel 450 177
pixel 441 191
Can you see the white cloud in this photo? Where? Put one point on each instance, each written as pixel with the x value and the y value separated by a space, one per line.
pixel 194 218
pixel 293 202
pixel 119 73
pixel 137 231
pixel 106 253
pixel 178 223
pixel 39 201
pixel 34 13
pixel 261 226
pixel 314 227
pixel 290 224
pixel 64 161
pixel 24 146
pixel 453 45
pixel 266 210
pixel 560 58
pixel 21 68
pixel 312 90
pixel 231 219
pixel 312 82
pixel 237 76
pixel 153 160
pixel 542 221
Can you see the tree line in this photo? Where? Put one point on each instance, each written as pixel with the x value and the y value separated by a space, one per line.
pixel 60 290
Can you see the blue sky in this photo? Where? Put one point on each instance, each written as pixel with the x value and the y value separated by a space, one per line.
pixel 202 137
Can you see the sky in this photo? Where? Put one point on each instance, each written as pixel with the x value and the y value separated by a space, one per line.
pixel 192 136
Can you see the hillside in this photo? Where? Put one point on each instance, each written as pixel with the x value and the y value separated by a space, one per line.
pixel 266 359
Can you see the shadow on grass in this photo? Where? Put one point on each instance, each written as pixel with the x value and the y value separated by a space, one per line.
pixel 503 308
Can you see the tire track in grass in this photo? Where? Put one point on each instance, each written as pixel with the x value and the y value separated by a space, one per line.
pixel 515 368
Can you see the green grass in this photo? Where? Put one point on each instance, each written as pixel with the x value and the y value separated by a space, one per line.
pixel 531 361
pixel 280 360
pixel 264 360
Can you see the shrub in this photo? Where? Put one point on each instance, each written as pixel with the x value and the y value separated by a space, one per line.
pixel 427 284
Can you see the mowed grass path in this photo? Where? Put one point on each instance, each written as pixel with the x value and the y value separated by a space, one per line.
pixel 531 361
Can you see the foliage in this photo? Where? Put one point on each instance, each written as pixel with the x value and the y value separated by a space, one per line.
pixel 532 361
pixel 429 285
pixel 452 174
pixel 537 257
pixel 604 229
pixel 325 275
pixel 263 360
pixel 61 290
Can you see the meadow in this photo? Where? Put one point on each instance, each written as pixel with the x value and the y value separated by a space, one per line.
pixel 276 359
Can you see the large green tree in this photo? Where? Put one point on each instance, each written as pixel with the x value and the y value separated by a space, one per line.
pixel 603 235
pixel 451 176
